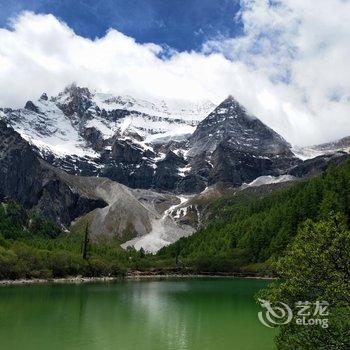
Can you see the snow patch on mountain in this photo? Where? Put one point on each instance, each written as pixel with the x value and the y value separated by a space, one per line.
pixel 107 129
pixel 49 129
pixel 164 231
pixel 268 180
pixel 305 153
pixel 57 124
pixel 170 108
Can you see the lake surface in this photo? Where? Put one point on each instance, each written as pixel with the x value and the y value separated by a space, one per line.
pixel 187 314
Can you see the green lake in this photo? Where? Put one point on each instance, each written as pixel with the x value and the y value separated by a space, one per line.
pixel 193 314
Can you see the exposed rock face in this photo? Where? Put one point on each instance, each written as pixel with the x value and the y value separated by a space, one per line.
pixel 120 137
pixel 342 145
pixel 167 174
pixel 25 178
pixel 137 143
pixel 192 183
pixel 20 169
pixel 235 147
pixel 78 103
pixel 130 213
pixel 30 106
pixel 94 138
pixel 126 152
pixel 111 208
pixel 315 166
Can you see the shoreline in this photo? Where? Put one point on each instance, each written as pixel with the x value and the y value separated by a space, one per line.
pixel 68 280
pixel 130 277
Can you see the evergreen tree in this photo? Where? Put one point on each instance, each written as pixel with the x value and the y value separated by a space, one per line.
pixel 316 267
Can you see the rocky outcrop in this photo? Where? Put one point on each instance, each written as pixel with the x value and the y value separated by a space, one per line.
pixel 167 174
pixel 77 104
pixel 315 166
pixel 30 106
pixel 94 138
pixel 94 134
pixel 110 208
pixel 127 152
pixel 27 179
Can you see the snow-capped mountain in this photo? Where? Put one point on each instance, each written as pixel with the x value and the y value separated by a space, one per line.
pixel 233 146
pixel 167 145
pixel 152 147
pixel 120 137
pixel 58 123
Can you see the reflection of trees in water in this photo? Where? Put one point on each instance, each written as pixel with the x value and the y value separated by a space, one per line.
pixel 83 299
pixel 150 315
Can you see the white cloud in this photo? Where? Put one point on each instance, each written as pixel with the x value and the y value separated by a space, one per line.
pixel 302 46
pixel 289 68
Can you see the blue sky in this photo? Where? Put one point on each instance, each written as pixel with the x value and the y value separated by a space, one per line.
pixel 286 63
pixel 180 24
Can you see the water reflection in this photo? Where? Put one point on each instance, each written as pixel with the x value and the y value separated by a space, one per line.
pixel 179 315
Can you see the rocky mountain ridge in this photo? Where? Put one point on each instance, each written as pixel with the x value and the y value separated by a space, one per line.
pixel 341 145
pixel 237 147
pixel 27 179
pixel 125 139
pixel 111 209
pixel 139 170
pixel 174 146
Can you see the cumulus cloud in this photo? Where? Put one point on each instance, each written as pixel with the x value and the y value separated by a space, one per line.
pixel 302 48
pixel 289 67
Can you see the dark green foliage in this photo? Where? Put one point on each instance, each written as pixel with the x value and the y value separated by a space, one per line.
pixel 86 242
pixel 249 228
pixel 16 223
pixel 12 220
pixel 39 257
pixel 33 247
pixel 246 233
pixel 38 226
pixel 316 267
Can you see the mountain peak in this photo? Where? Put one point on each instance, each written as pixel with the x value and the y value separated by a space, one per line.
pixel 74 100
pixel 230 98
pixel 74 90
pixel 230 122
pixel 43 97
pixel 231 108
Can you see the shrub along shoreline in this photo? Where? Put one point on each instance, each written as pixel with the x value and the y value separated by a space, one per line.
pixel 131 276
